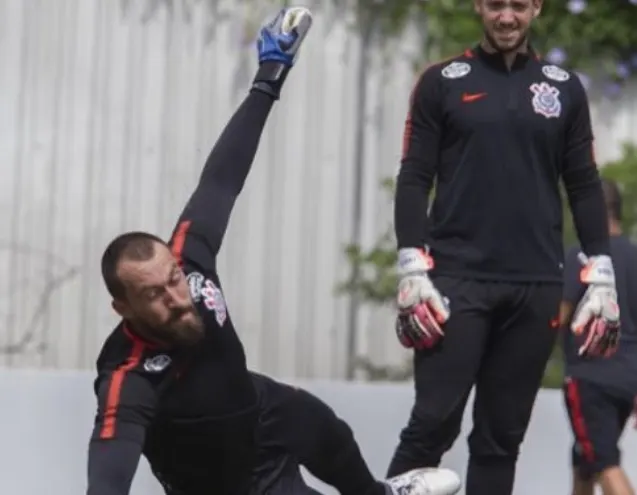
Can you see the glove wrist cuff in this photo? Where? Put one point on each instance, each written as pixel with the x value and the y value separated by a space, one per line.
pixel 414 260
pixel 270 78
pixel 598 270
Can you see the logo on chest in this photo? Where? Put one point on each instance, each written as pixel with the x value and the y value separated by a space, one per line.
pixel 157 364
pixel 205 290
pixel 546 100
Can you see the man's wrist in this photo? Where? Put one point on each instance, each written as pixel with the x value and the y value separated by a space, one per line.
pixel 598 270
pixel 270 78
pixel 413 260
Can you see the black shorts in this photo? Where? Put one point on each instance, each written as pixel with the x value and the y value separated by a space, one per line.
pixel 598 417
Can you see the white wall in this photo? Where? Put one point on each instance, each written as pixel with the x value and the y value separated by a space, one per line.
pixel 46 418
pixel 107 114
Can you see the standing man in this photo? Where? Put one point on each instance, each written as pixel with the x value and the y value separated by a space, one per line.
pixel 600 393
pixel 481 276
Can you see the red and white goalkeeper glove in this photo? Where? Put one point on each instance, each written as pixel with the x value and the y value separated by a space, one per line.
pixel 596 318
pixel 422 310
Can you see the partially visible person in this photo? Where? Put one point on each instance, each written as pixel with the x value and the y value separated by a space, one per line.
pixel 296 428
pixel 599 391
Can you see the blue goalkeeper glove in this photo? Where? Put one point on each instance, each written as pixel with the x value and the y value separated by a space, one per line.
pixel 278 46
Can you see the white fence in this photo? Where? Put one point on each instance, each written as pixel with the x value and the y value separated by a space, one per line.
pixel 108 110
pixel 45 426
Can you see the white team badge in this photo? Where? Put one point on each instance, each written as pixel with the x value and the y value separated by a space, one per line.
pixel 456 70
pixel 195 283
pixel 555 73
pixel 157 364
pixel 214 301
pixel 546 100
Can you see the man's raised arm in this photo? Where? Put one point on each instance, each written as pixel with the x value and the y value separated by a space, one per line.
pixel 203 223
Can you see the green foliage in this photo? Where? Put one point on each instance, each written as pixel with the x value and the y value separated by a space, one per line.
pixel 599 41
pixel 386 19
pixel 603 32
pixel 602 36
pixel 377 280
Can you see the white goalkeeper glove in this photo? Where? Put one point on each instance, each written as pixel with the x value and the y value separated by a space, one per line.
pixel 422 310
pixel 596 317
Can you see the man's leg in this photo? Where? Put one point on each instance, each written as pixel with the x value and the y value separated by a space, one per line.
pixel 444 376
pixel 520 345
pixel 297 428
pixel 597 419
pixel 582 486
pixel 294 422
pixel 279 474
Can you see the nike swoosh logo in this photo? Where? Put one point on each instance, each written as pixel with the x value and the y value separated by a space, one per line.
pixel 469 97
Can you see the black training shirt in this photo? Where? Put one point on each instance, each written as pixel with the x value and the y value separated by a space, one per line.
pixel 496 142
pixel 620 370
pixel 184 409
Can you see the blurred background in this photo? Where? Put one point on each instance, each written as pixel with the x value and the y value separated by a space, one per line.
pixel 108 109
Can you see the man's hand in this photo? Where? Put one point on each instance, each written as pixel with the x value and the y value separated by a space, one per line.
pixel 278 47
pixel 422 310
pixel 596 317
pixel 280 39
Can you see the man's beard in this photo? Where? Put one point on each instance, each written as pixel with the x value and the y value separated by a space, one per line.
pixel 175 332
pixel 494 44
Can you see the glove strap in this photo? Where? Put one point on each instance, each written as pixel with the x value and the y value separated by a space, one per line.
pixel 414 260
pixel 598 270
pixel 270 78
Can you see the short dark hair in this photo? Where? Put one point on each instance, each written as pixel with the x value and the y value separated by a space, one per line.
pixel 134 246
pixel 613 199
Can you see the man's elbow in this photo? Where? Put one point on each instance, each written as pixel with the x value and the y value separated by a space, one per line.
pixel 583 182
pixel 111 467
pixel 581 176
pixel 414 174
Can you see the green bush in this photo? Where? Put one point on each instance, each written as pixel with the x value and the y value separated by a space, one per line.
pixel 376 280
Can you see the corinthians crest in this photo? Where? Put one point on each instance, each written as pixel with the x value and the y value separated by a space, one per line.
pixel 546 100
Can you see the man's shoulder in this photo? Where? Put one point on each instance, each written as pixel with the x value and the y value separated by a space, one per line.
pixel 115 349
pixel 552 77
pixel 207 295
pixel 124 350
pixel 554 74
pixel 448 69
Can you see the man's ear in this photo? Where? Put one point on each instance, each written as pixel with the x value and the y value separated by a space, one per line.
pixel 537 8
pixel 121 308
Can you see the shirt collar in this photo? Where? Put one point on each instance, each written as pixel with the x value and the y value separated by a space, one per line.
pixel 496 59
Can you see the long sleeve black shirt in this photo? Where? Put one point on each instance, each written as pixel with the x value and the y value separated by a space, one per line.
pixel 496 143
pixel 186 411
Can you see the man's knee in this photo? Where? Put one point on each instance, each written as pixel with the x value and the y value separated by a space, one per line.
pixel 596 462
pixel 495 442
pixel 432 429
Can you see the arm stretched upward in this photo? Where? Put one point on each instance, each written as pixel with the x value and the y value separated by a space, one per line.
pixel 203 223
